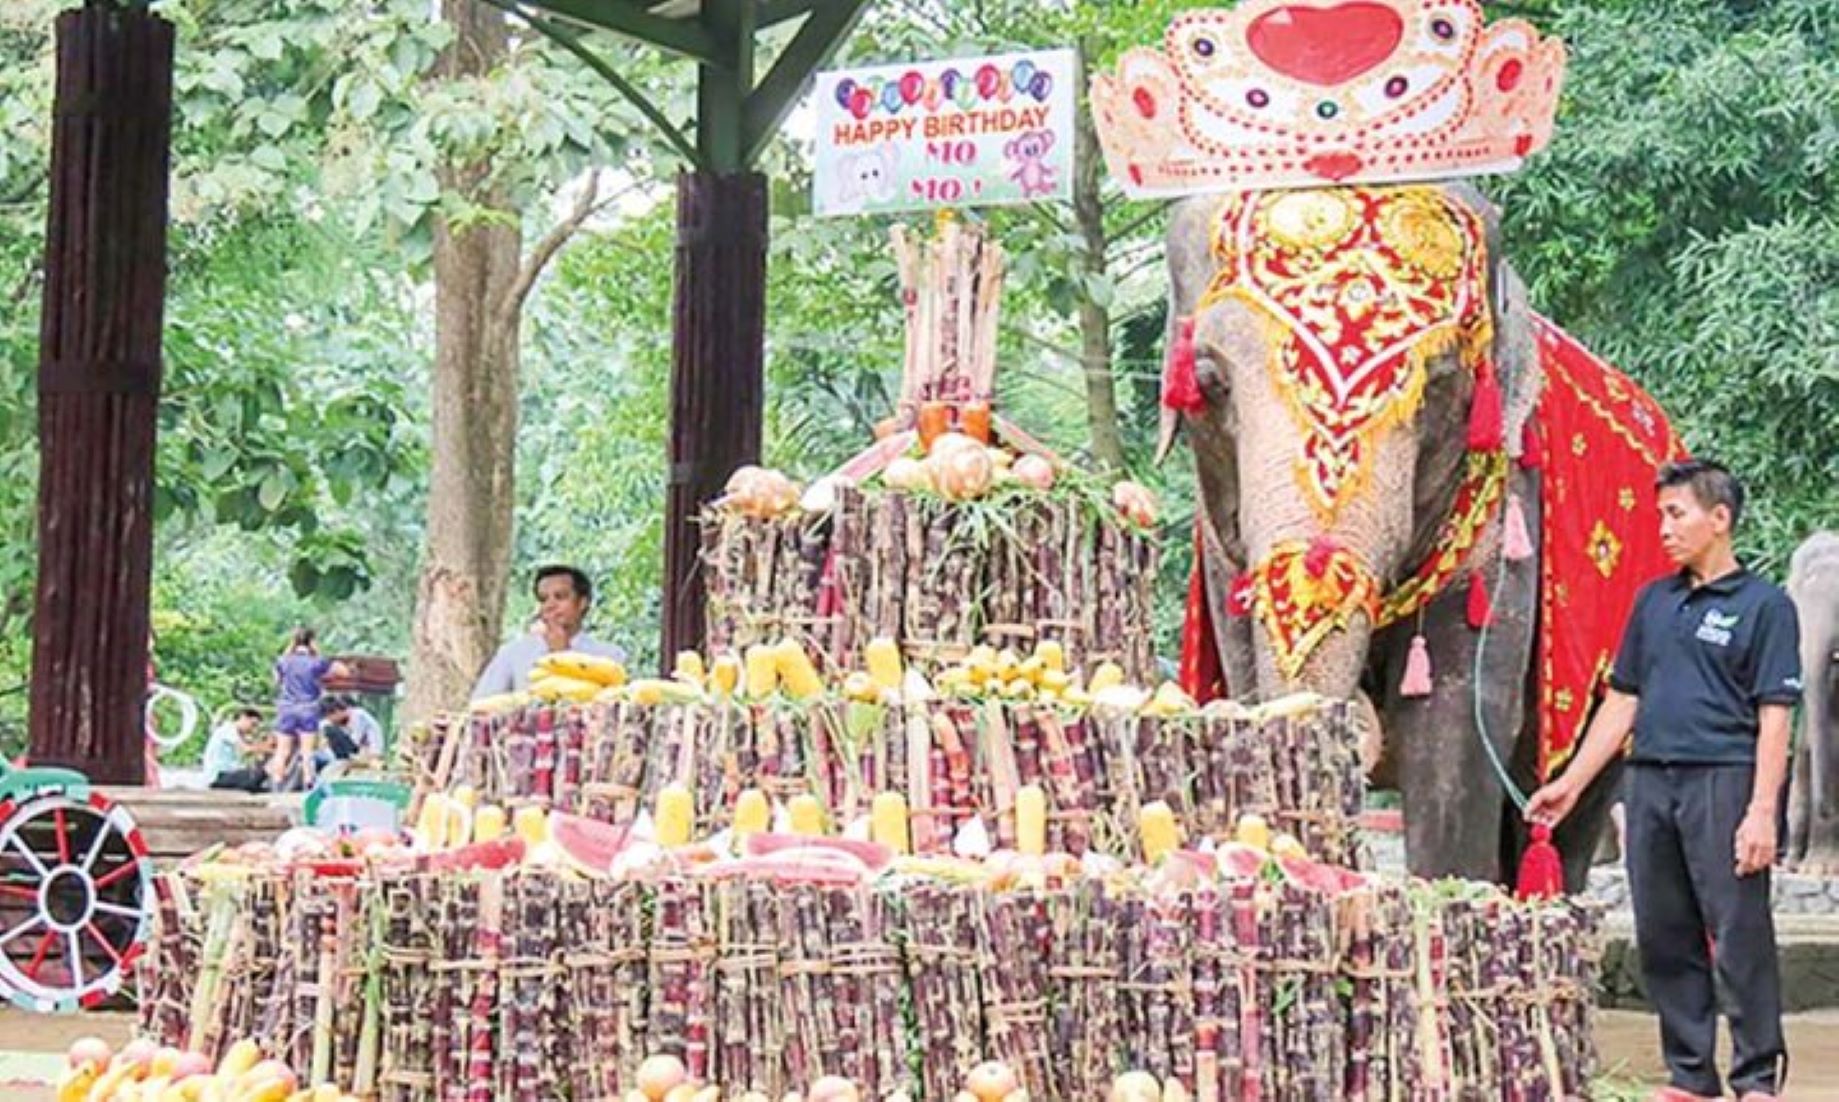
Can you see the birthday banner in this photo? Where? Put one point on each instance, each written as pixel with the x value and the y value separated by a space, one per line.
pixel 946 134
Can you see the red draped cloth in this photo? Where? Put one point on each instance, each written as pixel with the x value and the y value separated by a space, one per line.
pixel 1600 439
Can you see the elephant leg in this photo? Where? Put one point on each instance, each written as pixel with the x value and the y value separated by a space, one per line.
pixel 1800 801
pixel 1452 793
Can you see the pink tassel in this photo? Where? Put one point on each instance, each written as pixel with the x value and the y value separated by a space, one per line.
pixel 1481 608
pixel 1486 429
pixel 1320 554
pixel 1416 681
pixel 1516 541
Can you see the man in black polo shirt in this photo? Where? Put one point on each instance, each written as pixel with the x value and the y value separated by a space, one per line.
pixel 1707 675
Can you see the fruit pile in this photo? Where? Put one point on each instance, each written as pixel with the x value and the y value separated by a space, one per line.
pixel 145 1072
pixel 958 748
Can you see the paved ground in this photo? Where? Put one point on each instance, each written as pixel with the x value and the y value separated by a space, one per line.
pixel 30 1049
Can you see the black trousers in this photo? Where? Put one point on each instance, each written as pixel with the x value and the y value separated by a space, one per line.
pixel 1695 916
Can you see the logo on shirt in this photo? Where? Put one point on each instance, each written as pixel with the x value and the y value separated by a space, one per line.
pixel 1792 683
pixel 1715 627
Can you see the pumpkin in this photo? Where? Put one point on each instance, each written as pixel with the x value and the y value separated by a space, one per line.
pixel 659 1075
pixel 1034 471
pixel 950 442
pixel 907 474
pixel 758 492
pixel 1136 502
pixel 991 1081
pixel 1136 1086
pixel 962 474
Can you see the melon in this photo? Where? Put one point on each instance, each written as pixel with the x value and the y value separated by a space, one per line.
pixel 1240 861
pixel 501 854
pixel 589 844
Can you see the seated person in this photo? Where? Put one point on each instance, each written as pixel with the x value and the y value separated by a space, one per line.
pixel 231 759
pixel 346 732
pixel 563 595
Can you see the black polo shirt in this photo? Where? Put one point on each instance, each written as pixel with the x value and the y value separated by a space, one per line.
pixel 1701 660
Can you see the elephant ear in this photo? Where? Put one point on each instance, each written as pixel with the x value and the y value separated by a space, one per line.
pixel 1190 269
pixel 1443 417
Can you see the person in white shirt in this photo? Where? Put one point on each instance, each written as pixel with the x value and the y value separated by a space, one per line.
pixel 563 595
pixel 228 754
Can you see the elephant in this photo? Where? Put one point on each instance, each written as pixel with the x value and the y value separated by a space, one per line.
pixel 1251 441
pixel 1813 800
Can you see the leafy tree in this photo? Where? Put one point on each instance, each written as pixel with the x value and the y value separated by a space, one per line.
pixel 1685 223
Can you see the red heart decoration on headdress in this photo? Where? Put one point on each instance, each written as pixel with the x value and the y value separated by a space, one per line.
pixel 1325 46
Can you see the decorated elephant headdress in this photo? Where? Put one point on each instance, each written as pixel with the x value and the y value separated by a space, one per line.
pixel 1295 93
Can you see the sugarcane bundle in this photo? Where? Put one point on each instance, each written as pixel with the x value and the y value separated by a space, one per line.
pixel 1085 966
pixel 940 576
pixel 1015 980
pixel 839 979
pixel 939 923
pixel 406 989
pixel 681 977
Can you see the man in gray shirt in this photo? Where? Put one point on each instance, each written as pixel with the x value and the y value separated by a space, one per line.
pixel 563 595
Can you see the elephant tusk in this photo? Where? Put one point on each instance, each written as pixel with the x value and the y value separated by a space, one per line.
pixel 1165 438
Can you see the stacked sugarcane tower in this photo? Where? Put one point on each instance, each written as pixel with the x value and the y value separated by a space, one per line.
pixel 918 827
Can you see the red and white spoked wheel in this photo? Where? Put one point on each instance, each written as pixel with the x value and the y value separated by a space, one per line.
pixel 76 897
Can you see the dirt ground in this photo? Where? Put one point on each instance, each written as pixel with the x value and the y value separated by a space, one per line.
pixel 30 1045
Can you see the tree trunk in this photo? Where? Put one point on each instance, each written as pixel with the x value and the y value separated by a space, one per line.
pixel 716 372
pixel 1095 317
pixel 98 386
pixel 466 559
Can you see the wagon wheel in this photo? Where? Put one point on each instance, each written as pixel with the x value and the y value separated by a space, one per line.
pixel 76 893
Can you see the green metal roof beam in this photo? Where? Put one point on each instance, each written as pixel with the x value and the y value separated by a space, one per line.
pixel 569 40
pixel 810 50
pixel 773 12
pixel 722 90
pixel 685 37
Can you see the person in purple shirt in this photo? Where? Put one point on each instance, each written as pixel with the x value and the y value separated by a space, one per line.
pixel 300 679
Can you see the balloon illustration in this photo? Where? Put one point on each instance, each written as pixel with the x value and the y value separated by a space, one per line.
pixel 967 95
pixel 1041 87
pixel 989 80
pixel 1024 74
pixel 949 82
pixel 861 102
pixel 912 86
pixel 845 92
pixel 890 98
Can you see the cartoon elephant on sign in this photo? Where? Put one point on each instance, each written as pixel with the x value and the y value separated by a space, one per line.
pixel 1813 801
pixel 1355 369
pixel 867 177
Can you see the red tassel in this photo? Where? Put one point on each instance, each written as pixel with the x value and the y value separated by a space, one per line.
pixel 1516 541
pixel 1321 552
pixel 1416 681
pixel 1541 869
pixel 1481 608
pixel 1486 428
pixel 1180 386
pixel 1532 455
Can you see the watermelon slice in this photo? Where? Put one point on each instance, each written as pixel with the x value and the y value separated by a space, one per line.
pixel 589 844
pixel 1328 879
pixel 1238 861
pixel 873 855
pixel 500 854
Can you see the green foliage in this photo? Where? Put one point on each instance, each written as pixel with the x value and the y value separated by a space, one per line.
pixel 1685 223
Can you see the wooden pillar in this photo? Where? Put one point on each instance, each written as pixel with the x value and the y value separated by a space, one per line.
pixel 98 388
pixel 717 368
